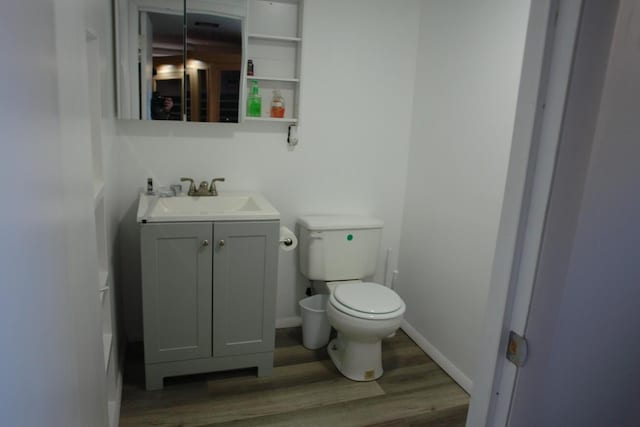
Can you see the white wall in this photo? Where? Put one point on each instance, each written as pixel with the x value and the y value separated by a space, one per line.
pixel 468 70
pixel 357 90
pixel 584 317
pixel 52 363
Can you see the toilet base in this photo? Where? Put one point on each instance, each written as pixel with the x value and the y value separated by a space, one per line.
pixel 356 360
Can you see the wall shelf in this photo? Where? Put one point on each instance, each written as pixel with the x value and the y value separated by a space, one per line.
pixel 107 344
pixel 271 119
pixel 274 45
pixel 273 79
pixel 275 38
pixel 98 192
pixel 106 315
pixel 103 284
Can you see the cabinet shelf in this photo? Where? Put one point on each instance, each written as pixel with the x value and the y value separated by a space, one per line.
pixel 98 192
pixel 274 79
pixel 274 45
pixel 103 284
pixel 275 38
pixel 271 119
pixel 107 341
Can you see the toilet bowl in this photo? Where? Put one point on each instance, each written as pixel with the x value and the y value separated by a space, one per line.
pixel 363 314
pixel 339 251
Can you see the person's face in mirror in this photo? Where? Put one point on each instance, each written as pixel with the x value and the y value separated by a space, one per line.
pixel 167 104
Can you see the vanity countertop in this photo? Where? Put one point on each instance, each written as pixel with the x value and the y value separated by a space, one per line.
pixel 227 206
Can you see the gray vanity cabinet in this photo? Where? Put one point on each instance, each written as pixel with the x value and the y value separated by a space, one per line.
pixel 243 298
pixel 208 297
pixel 176 271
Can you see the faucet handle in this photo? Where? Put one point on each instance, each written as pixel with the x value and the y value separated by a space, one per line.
pixel 212 188
pixel 192 186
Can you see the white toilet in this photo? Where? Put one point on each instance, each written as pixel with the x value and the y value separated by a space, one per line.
pixel 340 251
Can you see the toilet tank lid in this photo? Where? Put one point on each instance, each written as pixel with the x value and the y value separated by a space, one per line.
pixel 339 222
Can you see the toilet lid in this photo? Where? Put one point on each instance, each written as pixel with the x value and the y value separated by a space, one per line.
pixel 370 298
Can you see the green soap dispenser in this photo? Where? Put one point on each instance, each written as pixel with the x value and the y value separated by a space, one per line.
pixel 254 101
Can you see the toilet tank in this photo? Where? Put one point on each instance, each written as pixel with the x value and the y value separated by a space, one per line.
pixel 338 247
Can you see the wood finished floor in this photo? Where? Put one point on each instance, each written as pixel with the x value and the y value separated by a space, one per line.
pixel 304 390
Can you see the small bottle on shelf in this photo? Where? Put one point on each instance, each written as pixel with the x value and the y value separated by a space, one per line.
pixel 277 105
pixel 250 68
pixel 254 101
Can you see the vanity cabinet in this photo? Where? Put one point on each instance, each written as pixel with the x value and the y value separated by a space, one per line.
pixel 176 287
pixel 209 291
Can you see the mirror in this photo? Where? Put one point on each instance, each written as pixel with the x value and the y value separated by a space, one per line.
pixel 180 60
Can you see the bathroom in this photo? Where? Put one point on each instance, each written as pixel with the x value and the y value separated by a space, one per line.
pixel 406 114
pixel 362 126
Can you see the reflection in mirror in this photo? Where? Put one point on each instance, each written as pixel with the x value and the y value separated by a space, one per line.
pixel 177 66
pixel 211 81
pixel 163 77
pixel 214 60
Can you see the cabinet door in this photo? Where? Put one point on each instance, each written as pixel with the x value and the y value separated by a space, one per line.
pixel 176 287
pixel 245 262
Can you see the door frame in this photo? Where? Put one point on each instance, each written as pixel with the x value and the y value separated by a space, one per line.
pixel 548 58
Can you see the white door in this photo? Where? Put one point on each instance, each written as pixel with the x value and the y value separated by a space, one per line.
pixel 583 319
pixel 545 76
pixel 535 234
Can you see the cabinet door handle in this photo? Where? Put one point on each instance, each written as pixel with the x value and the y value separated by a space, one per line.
pixel 221 243
pixel 205 243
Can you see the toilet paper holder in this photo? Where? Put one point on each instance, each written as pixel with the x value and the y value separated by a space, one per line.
pixel 288 241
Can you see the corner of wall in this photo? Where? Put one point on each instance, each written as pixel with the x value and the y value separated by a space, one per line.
pixel 448 366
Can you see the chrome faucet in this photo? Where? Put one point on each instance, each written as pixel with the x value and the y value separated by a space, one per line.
pixel 212 187
pixel 203 189
pixel 192 186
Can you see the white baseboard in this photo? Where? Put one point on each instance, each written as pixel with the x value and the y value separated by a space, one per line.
pixel 455 373
pixel 288 322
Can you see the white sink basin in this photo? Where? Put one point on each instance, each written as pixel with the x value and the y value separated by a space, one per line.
pixel 226 206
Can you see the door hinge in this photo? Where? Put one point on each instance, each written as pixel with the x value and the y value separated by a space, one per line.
pixel 517 349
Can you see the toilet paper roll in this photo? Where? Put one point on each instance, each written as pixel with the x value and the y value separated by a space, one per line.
pixel 288 240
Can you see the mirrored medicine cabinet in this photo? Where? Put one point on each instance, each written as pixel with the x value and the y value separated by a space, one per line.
pixel 186 60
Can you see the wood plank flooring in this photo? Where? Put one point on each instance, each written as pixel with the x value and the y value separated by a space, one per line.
pixel 304 390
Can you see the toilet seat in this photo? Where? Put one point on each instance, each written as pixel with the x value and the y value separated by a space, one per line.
pixel 367 301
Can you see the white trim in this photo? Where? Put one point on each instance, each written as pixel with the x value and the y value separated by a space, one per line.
pixel 288 322
pixel 448 366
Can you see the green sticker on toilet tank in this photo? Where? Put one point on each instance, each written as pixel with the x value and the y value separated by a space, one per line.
pixel 349 237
